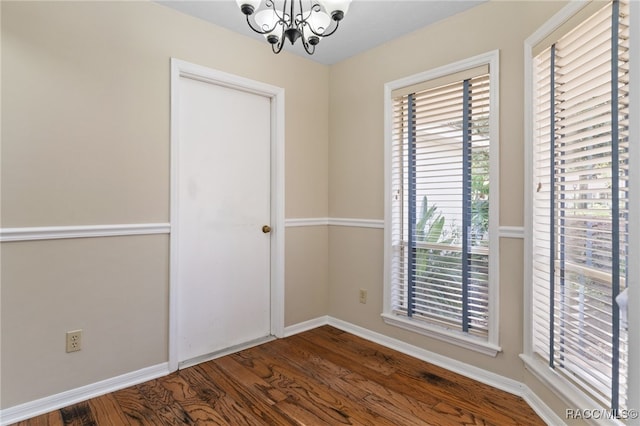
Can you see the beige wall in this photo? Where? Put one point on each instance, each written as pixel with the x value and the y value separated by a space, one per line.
pixel 115 289
pixel 85 141
pixel 356 170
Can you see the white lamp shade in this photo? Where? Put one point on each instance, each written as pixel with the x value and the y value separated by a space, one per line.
pixel 254 3
pixel 319 22
pixel 266 19
pixel 332 5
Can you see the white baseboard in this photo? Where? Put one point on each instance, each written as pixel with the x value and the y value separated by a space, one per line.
pixel 54 402
pixel 305 326
pixel 541 409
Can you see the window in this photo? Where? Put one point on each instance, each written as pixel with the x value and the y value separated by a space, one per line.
pixel 442 144
pixel 580 204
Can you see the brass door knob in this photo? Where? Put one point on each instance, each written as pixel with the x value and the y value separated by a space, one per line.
pixel 266 229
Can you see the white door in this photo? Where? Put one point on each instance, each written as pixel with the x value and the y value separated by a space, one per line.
pixel 223 201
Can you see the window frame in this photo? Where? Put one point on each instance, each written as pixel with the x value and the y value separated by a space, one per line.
pixel 570 393
pixel 489 346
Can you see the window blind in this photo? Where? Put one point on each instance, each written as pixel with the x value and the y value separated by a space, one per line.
pixel 581 202
pixel 440 208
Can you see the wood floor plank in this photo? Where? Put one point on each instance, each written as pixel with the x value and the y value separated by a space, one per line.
pixel 161 401
pixel 349 408
pixel 406 372
pixel 134 407
pixel 412 372
pixel 324 376
pixel 78 415
pixel 108 411
pixel 49 419
pixel 315 403
pixel 400 407
pixel 250 394
pixel 329 395
pixel 346 358
pixel 381 405
pixel 360 400
pixel 199 411
pixel 260 388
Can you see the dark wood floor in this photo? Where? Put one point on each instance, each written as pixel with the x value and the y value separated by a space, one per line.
pixel 320 377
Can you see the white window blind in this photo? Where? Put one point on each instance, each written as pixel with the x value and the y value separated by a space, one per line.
pixel 440 206
pixel 580 204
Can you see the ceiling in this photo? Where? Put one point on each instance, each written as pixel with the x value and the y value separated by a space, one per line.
pixel 369 23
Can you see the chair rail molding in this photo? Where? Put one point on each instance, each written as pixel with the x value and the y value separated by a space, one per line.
pixel 81 231
pixel 335 221
pixel 505 231
pixel 511 232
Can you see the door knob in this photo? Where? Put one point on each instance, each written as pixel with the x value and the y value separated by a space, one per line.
pixel 266 229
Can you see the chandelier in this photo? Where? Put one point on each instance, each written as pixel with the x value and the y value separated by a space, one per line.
pixel 289 20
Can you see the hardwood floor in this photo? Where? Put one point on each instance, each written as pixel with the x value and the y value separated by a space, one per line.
pixel 320 377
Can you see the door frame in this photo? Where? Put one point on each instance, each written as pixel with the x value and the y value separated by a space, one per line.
pixel 180 69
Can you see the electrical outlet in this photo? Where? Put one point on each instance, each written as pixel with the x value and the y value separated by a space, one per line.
pixel 74 340
pixel 363 295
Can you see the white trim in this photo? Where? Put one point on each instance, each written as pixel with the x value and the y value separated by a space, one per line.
pixel 180 69
pixel 537 404
pixel 465 64
pixel 81 231
pixel 511 232
pixel 335 221
pixel 569 394
pixel 527 312
pixel 277 209
pixel 224 352
pixel 444 335
pixel 306 326
pixel 54 402
pixel 633 389
pixel 310 221
pixel 357 223
pixel 504 231
pixel 91 231
pixel 493 59
pixel 554 22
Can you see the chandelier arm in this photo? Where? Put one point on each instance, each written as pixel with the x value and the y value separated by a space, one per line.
pixel 327 34
pixel 310 49
pixel 277 47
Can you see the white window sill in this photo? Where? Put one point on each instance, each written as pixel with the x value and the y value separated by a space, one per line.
pixel 569 394
pixel 449 336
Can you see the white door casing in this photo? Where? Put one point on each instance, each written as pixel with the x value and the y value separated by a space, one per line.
pixel 227 277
